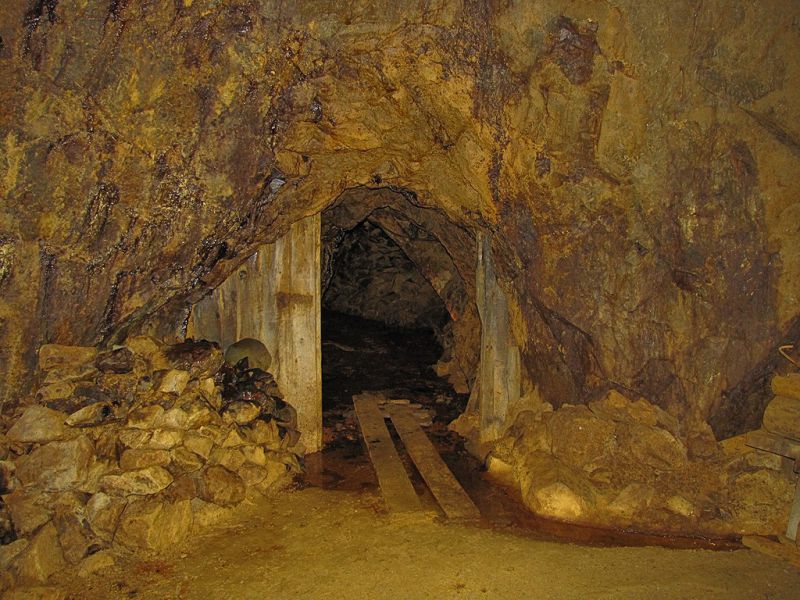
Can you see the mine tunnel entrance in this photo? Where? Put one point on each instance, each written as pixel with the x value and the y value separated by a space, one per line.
pixel 386 331
pixel 378 294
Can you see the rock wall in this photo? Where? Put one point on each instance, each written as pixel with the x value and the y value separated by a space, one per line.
pixel 634 161
pixel 373 278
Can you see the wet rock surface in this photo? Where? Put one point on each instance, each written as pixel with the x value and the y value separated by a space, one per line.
pixel 598 160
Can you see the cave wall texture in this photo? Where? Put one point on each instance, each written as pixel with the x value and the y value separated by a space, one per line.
pixel 635 161
pixel 374 279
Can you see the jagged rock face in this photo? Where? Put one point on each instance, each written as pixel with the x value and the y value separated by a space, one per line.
pixel 634 161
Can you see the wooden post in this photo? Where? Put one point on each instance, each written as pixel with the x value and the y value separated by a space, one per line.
pixel 274 297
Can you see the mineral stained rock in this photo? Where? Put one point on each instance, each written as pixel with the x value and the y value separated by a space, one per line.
pixel 634 163
pixel 622 463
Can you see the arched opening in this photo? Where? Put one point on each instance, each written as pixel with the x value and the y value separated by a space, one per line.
pixel 393 302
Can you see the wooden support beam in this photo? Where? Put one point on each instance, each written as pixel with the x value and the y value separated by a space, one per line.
pixel 396 487
pixel 769 442
pixel 454 501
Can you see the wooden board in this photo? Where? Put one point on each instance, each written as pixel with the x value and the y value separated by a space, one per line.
pixel 782 416
pixel 454 501
pixel 787 385
pixel 395 485
pixel 787 552
pixel 793 528
pixel 769 442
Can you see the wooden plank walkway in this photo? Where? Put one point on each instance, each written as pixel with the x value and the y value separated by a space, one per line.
pixel 454 501
pixel 395 485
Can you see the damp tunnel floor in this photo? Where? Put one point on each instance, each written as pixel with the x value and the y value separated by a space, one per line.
pixel 361 355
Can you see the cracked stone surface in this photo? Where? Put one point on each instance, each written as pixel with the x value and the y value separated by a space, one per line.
pixel 635 162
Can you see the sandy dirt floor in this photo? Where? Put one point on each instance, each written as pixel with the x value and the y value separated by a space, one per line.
pixel 315 543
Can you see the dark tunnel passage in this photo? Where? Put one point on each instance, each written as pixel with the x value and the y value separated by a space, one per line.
pixel 384 327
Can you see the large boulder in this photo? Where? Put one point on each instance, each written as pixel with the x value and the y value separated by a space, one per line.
pixel 202 358
pixel 74 534
pixel 41 558
pixel 141 482
pixel 140 458
pixel 103 512
pixel 253 350
pixel 221 486
pixel 57 466
pixel 29 510
pixel 154 524
pixel 38 424
pixel 556 490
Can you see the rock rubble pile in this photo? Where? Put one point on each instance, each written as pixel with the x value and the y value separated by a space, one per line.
pixel 129 447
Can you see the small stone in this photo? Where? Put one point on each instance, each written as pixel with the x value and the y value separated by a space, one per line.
pixel 230 458
pixel 91 415
pixel 38 424
pixel 633 498
pixel 41 558
pixel 144 417
pixel 8 478
pixel 97 470
pixel 275 474
pixel 165 439
pixel 94 563
pixel 681 506
pixel 285 457
pixel 241 413
pixel 252 474
pixel 140 458
pixel 214 432
pixel 29 511
pixel 254 454
pixel 103 513
pixel 53 356
pixel 263 433
pixel 141 482
pixel 9 552
pixel 134 438
pixel 221 486
pixel 233 439
pixel 143 345
pixel 74 537
pixel 655 447
pixel 116 361
pixel 210 392
pixel 500 470
pixel 201 358
pixel 55 391
pixel 199 414
pixel 75 374
pixel 57 466
pixel 183 488
pixel 199 444
pixel 186 461
pixel 174 418
pixel 559 501
pixel 152 524
pixel 174 382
